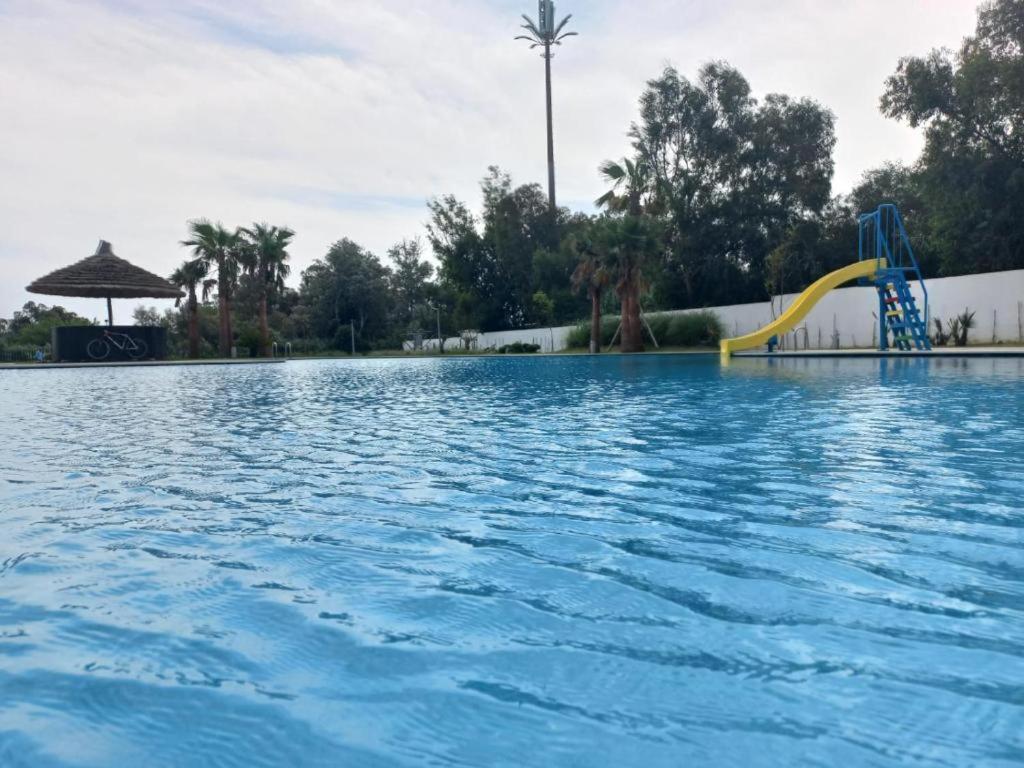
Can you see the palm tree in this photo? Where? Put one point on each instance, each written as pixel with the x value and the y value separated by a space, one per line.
pixel 266 258
pixel 208 288
pixel 637 239
pixel 218 247
pixel 632 187
pixel 546 33
pixel 190 275
pixel 591 274
pixel 632 195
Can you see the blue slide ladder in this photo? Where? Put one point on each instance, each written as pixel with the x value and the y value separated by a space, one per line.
pixel 900 322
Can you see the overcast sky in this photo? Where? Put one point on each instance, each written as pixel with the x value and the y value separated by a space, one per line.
pixel 122 119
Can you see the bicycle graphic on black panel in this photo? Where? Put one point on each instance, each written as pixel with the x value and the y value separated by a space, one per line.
pixel 100 349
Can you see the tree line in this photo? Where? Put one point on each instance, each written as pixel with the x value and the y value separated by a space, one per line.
pixel 725 198
pixel 722 198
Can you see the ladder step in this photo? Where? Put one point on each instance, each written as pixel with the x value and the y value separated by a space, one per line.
pixel 893 313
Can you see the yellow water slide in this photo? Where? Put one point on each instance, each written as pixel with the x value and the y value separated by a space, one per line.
pixel 802 305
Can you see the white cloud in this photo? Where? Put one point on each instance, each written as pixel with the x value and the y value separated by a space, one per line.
pixel 122 119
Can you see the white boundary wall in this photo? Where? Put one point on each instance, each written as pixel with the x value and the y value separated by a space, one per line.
pixel 997 298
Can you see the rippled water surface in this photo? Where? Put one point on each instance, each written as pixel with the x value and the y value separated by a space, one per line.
pixel 649 561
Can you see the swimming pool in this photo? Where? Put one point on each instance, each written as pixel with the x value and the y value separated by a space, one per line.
pixel 566 561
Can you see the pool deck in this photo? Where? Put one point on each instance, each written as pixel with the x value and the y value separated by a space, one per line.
pixel 990 351
pixel 998 351
pixel 139 363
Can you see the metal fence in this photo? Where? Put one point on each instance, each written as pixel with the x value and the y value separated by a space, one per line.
pixel 16 356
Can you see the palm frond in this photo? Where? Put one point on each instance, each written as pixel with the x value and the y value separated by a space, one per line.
pixel 263 252
pixel 611 170
pixel 531 26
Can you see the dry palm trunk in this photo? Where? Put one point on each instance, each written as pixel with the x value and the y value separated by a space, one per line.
pixel 264 327
pixel 224 342
pixel 193 324
pixel 226 339
pixel 595 321
pixel 224 311
pixel 632 330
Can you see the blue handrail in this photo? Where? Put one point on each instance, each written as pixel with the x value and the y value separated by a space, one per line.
pixel 885 226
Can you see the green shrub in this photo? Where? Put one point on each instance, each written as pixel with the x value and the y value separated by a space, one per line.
pixel 247 339
pixel 342 341
pixel 942 337
pixel 579 337
pixel 692 329
pixel 309 347
pixel 518 348
pixel 965 322
pixel 660 327
pixel 13 353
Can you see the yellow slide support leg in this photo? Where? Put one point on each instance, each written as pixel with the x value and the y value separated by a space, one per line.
pixel 802 305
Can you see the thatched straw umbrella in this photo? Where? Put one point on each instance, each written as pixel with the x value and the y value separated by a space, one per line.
pixel 105 276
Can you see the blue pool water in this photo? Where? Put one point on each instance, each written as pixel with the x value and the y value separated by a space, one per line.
pixel 627 561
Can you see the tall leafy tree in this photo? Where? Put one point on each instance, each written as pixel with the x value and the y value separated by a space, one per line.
pixel 553 269
pixel 975 98
pixel 34 323
pixel 265 257
pixel 190 276
pixel 410 280
pixel 468 270
pixel 220 249
pixel 517 223
pixel 490 263
pixel 731 174
pixel 143 315
pixel 349 285
pixel 971 106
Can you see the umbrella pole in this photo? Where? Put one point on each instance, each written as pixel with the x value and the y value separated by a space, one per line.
pixel 110 313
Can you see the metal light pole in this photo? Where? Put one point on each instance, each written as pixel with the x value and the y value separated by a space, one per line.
pixel 545 33
pixel 551 129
